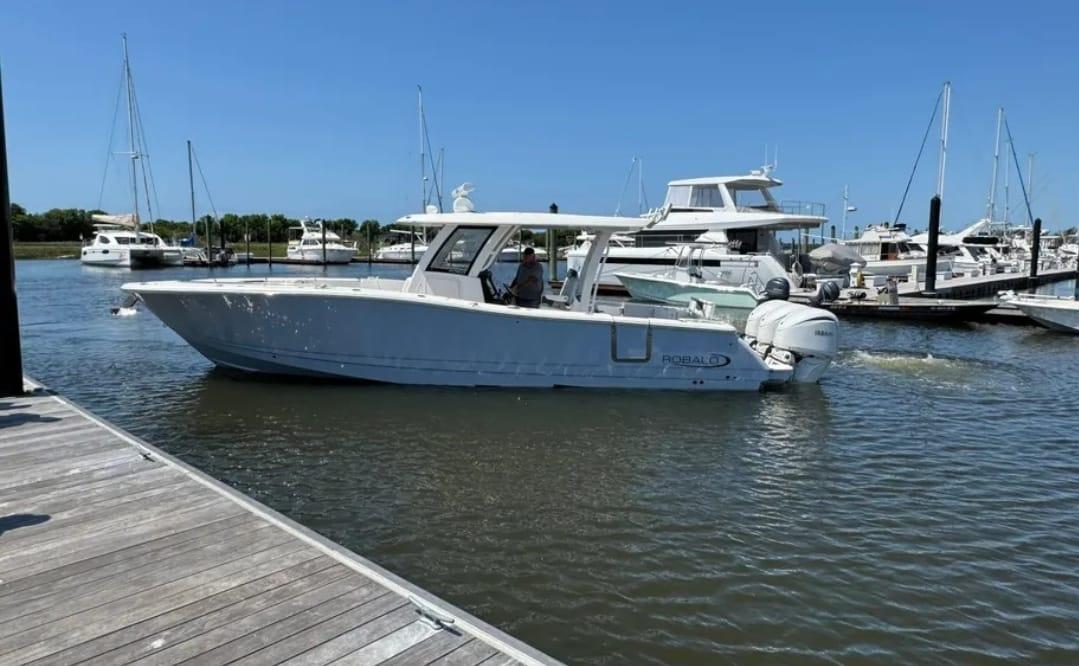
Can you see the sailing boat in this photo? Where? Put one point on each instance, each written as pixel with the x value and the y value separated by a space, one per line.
pixel 119 239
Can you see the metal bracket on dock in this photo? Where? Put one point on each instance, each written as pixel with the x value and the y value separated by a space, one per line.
pixel 430 615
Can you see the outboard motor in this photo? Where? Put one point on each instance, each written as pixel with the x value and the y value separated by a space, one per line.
pixel 753 321
pixel 777 289
pixel 826 293
pixel 800 336
pixel 808 339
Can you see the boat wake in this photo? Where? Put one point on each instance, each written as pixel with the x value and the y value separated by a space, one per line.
pixel 929 367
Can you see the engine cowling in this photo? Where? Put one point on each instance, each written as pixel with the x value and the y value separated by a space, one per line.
pixel 803 337
pixel 756 315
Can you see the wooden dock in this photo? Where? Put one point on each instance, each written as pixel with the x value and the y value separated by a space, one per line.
pixel 112 551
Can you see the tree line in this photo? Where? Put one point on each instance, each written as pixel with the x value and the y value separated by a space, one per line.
pixel 75 224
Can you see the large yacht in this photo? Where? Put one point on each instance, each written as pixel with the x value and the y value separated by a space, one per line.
pixel 309 243
pixel 736 215
pixel 119 242
pixel 889 251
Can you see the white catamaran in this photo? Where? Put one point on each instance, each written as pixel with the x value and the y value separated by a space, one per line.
pixel 119 240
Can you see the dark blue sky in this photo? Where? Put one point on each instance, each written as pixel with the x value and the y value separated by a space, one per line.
pixel 310 108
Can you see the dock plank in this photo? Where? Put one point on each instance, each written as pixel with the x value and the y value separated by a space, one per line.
pixel 122 554
pixel 156 632
pixel 472 652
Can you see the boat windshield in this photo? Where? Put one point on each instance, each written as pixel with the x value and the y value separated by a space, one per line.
pixel 459 251
pixel 753 199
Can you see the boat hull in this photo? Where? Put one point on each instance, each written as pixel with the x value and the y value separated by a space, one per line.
pixel 1056 314
pixel 410 339
pixel 123 257
pixel 314 256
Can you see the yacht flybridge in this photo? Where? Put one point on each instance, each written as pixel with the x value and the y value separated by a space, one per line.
pixel 450 324
pixel 737 215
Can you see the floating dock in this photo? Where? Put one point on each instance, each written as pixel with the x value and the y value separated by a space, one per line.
pixel 112 551
pixel 987 286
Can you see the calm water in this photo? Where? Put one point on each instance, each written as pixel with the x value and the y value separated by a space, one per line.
pixel 921 504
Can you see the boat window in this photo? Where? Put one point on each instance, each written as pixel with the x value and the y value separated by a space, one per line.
pixel 460 250
pixel 706 196
pixel 310 241
pixel 104 240
pixel 753 198
pixel 742 241
pixel 123 240
pixel 678 196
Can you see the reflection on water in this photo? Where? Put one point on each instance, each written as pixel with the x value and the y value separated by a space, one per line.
pixel 918 505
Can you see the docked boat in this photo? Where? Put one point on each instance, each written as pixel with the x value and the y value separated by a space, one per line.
pixel 514 251
pixel 887 251
pixel 310 243
pixel 685 281
pixel 449 324
pixel 737 215
pixel 118 242
pixel 1056 312
pixel 408 250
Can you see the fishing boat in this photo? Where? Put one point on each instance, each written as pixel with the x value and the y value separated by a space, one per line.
pixel 686 281
pixel 737 215
pixel 119 240
pixel 450 324
pixel 312 243
pixel 1058 313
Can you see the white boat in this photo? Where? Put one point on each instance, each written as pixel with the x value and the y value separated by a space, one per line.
pixel 1055 312
pixel 737 215
pixel 685 281
pixel 413 248
pixel 513 252
pixel 448 324
pixel 117 242
pixel 888 251
pixel 310 243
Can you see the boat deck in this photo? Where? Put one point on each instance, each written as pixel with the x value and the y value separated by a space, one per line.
pixel 112 551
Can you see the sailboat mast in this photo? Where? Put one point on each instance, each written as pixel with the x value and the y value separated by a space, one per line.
pixel 846 207
pixel 991 207
pixel 131 136
pixel 441 175
pixel 1030 176
pixel 1007 203
pixel 423 154
pixel 944 138
pixel 640 186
